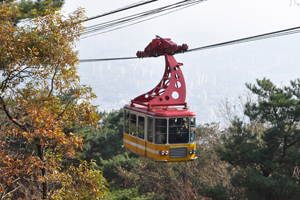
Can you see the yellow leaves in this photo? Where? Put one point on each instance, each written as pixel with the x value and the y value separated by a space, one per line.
pixel 92 183
pixel 40 53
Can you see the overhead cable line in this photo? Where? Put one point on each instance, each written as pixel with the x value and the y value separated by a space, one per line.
pixel 121 9
pixel 125 20
pixel 252 38
pixel 138 21
pixel 122 20
pixel 132 17
pixel 237 41
pixel 105 59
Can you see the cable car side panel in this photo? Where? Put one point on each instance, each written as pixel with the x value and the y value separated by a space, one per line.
pixel 158 149
pixel 153 151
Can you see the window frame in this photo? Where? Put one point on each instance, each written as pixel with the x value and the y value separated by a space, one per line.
pixel 179 133
pixel 135 132
pixel 138 127
pixel 166 132
pixel 195 125
pixel 152 132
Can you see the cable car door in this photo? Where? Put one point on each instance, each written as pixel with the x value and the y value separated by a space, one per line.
pixel 141 145
pixel 133 132
pixel 150 137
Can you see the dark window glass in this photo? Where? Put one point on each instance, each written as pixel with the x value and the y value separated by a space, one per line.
pixel 133 124
pixel 150 130
pixel 141 127
pixel 193 129
pixel 126 121
pixel 178 130
pixel 160 131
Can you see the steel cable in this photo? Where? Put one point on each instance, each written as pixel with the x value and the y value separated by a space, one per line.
pixel 131 18
pixel 139 21
pixel 252 38
pixel 128 19
pixel 237 41
pixel 121 9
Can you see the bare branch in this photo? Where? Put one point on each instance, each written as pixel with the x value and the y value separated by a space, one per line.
pixel 10 192
pixel 296 172
pixel 10 117
pixel 52 80
pixel 229 109
pixel 64 109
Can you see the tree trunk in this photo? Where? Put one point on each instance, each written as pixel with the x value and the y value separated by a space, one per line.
pixel 44 170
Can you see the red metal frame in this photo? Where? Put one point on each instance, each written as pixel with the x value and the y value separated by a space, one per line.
pixel 171 90
pixel 161 46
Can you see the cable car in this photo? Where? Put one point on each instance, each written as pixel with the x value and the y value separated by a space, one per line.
pixel 158 124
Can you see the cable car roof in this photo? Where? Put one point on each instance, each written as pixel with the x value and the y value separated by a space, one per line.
pixel 162 111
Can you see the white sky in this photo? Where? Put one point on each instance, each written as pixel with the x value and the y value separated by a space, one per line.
pixel 213 20
pixel 226 19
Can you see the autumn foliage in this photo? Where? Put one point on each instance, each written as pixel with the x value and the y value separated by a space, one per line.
pixel 38 67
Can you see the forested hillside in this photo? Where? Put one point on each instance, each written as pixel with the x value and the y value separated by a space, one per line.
pixel 130 176
pixel 255 157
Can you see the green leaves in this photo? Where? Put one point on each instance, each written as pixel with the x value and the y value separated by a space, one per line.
pixel 30 9
pixel 275 105
pixel 83 182
pixel 265 151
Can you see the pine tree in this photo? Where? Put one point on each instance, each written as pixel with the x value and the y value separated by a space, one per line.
pixel 265 151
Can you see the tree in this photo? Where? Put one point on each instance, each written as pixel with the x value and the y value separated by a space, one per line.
pixel 38 65
pixel 84 182
pixel 265 151
pixel 28 8
pixel 132 177
pixel 106 142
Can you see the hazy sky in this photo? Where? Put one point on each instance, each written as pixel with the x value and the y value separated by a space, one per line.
pixel 210 22
pixel 226 19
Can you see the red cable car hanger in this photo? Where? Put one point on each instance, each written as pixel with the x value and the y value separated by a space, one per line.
pixel 159 122
pixel 171 90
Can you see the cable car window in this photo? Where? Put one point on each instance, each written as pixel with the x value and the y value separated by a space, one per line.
pixel 141 127
pixel 126 121
pixel 160 131
pixel 132 124
pixel 193 129
pixel 178 130
pixel 150 130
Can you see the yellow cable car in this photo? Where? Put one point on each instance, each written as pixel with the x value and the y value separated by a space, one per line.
pixel 160 135
pixel 158 124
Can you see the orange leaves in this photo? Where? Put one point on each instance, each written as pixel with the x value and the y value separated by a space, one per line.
pixel 13 167
pixel 43 96
pixel 13 131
